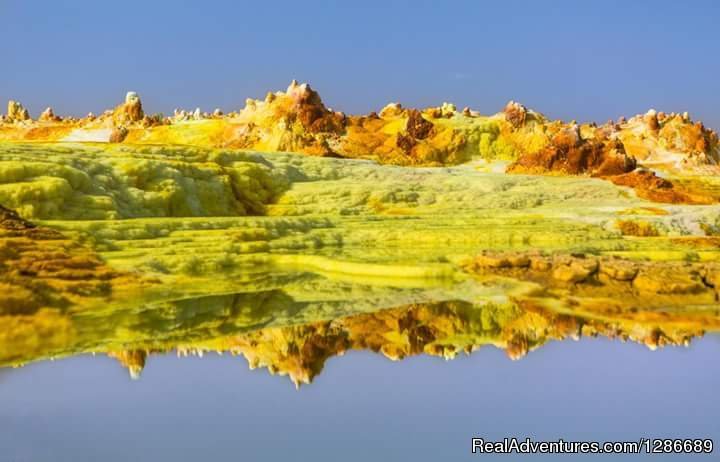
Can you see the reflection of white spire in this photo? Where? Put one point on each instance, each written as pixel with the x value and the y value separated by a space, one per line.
pixel 133 360
pixel 135 372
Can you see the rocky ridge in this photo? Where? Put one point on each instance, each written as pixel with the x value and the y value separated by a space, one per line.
pixel 443 329
pixel 297 120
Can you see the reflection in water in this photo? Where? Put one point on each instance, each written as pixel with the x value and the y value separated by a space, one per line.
pixel 291 323
pixel 287 298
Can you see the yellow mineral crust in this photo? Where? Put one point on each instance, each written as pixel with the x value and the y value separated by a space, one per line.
pixel 112 182
pixel 132 360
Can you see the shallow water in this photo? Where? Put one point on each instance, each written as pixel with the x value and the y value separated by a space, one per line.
pixel 363 407
pixel 336 337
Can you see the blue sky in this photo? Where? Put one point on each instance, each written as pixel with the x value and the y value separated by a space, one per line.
pixel 570 60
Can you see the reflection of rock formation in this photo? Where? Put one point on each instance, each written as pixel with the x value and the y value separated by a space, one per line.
pixel 55 292
pixel 563 297
pixel 133 360
pixel 537 298
pixel 576 296
pixel 441 329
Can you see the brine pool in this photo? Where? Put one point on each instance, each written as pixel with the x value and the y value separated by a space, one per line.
pixel 362 407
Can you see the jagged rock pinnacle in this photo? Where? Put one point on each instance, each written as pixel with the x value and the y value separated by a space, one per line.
pixel 16 112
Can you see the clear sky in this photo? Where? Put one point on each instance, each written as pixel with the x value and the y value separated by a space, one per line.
pixel 570 60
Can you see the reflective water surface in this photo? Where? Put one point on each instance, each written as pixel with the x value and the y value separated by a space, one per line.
pixel 291 323
pixel 369 358
pixel 363 407
pixel 393 361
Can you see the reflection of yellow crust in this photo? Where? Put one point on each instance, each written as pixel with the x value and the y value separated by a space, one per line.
pixel 443 329
pixel 650 304
pixel 23 337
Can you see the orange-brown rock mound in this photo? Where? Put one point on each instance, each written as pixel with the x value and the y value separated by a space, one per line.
pixel 650 186
pixel 568 153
